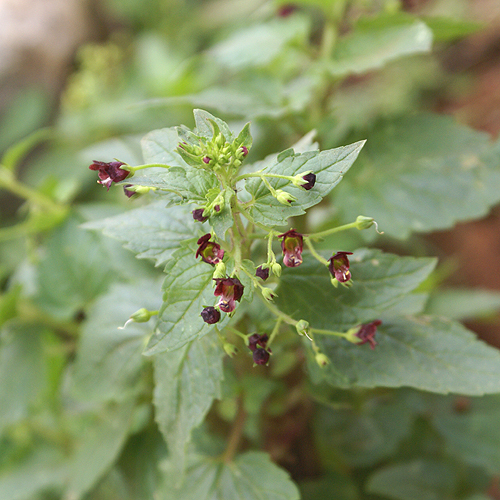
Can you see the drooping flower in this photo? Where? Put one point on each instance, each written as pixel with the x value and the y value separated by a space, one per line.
pixel 311 180
pixel 109 172
pixel 260 356
pixel 229 290
pixel 339 266
pixel 209 251
pixel 258 345
pixel 210 315
pixel 198 215
pixel 292 245
pixel 364 334
pixel 262 273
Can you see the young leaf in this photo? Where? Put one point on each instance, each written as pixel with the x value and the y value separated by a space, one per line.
pixel 421 166
pixel 109 361
pixel 417 480
pixel 426 353
pixel 152 232
pixel 205 125
pixel 381 282
pixel 251 476
pixel 376 41
pixel 188 288
pixel 186 382
pixel 329 167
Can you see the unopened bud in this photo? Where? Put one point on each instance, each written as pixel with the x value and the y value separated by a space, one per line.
pixel 302 327
pixel 268 294
pixel 140 316
pixel 322 359
pixel 230 349
pixel 276 268
pixel 284 197
pixel 363 222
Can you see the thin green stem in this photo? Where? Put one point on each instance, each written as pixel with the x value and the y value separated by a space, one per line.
pixel 327 332
pixel 263 176
pixel 315 254
pixel 275 330
pixel 149 165
pixel 280 314
pixel 236 332
pixel 333 230
pixel 271 189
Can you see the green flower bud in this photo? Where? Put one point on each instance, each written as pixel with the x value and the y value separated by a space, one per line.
pixel 140 189
pixel 284 197
pixel 230 349
pixel 322 359
pixel 363 222
pixel 268 294
pixel 276 269
pixel 302 327
pixel 141 316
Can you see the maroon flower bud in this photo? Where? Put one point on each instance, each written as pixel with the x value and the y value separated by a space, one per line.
pixel 210 315
pixel 261 273
pixel 292 246
pixel 230 290
pixel 217 208
pixel 210 252
pixel 128 192
pixel 109 172
pixel 287 9
pixel 260 356
pixel 198 215
pixel 364 334
pixel 339 266
pixel 206 159
pixel 311 180
pixel 257 340
pixel 245 150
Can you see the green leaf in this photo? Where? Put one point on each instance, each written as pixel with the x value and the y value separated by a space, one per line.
pixel 426 353
pixel 99 436
pixel 13 156
pixel 22 371
pixel 186 382
pixel 363 436
pixel 329 167
pixel 376 41
pixel 252 476
pixel 446 29
pixel 417 480
pixel 416 168
pixel 152 232
pixel 109 361
pixel 260 44
pixel 473 434
pixel 188 288
pixel 205 128
pixel 381 282
pixel 461 304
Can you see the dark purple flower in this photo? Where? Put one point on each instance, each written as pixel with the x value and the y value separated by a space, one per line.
pixel 292 246
pixel 198 215
pixel 210 315
pixel 217 208
pixel 230 290
pixel 261 273
pixel 366 333
pixel 109 172
pixel 311 180
pixel 339 266
pixel 210 252
pixel 128 192
pixel 256 340
pixel 245 150
pixel 260 356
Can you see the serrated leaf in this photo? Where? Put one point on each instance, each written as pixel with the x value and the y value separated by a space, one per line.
pixel 417 480
pixel 252 476
pixel 151 232
pixel 204 125
pixel 421 173
pixel 473 433
pixel 374 42
pixel 109 361
pixel 186 382
pixel 381 282
pixel 188 288
pixel 430 354
pixel 22 371
pixel 329 167
pixel 260 44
